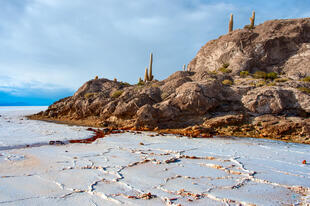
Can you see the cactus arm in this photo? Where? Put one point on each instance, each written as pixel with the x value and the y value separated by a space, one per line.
pixel 146 77
pixel 252 20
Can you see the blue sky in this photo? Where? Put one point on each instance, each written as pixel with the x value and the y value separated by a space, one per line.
pixel 49 48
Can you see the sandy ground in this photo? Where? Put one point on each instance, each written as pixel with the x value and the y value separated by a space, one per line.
pixel 139 169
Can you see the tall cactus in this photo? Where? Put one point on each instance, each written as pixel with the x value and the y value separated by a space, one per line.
pixel 184 67
pixel 146 77
pixel 150 77
pixel 231 23
pixel 252 19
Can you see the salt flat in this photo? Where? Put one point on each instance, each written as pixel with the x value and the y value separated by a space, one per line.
pixel 16 130
pixel 142 169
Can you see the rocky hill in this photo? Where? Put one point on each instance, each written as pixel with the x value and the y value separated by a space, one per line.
pixel 250 82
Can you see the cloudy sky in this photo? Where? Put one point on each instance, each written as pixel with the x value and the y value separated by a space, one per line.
pixel 49 48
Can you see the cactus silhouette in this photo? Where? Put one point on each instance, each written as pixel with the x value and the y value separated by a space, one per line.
pixel 150 77
pixel 252 19
pixel 231 23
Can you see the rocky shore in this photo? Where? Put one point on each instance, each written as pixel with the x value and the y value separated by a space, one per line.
pixel 250 82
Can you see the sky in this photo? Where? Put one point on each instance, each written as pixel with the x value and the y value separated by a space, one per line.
pixel 49 48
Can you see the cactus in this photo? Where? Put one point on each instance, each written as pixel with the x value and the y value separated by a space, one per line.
pixel 96 77
pixel 252 19
pixel 150 77
pixel 184 67
pixel 146 77
pixel 231 23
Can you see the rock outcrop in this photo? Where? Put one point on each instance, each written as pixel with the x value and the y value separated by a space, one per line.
pixel 213 97
pixel 281 46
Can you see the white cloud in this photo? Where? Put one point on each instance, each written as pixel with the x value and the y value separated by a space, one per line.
pixel 65 43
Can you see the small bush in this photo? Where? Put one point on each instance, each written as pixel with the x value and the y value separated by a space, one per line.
pixel 141 83
pixel 227 82
pixel 125 84
pixel 304 89
pixel 117 93
pixel 271 84
pixel 88 95
pixel 264 75
pixel 244 74
pixel 212 72
pixel 272 75
pixel 249 27
pixel 281 80
pixel 225 70
pixel 306 79
pixel 260 75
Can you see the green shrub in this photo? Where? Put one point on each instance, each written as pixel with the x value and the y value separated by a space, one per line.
pixel 281 80
pixel 212 72
pixel 264 75
pixel 247 26
pixel 88 95
pixel 125 84
pixel 272 75
pixel 304 89
pixel 227 82
pixel 244 74
pixel 260 75
pixel 117 93
pixel 306 79
pixel 141 83
pixel 271 84
pixel 225 70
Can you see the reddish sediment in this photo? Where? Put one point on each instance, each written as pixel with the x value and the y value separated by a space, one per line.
pixel 99 133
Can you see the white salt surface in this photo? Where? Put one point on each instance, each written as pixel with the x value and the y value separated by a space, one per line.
pixel 118 170
pixel 16 130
